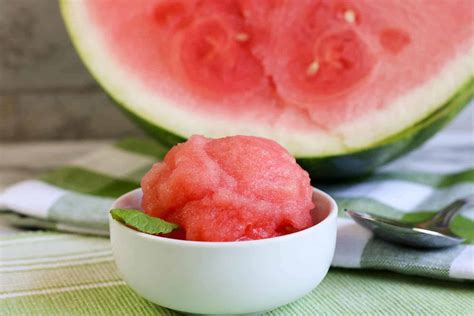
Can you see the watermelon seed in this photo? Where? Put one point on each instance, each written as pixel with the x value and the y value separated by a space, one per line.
pixel 241 37
pixel 312 68
pixel 349 16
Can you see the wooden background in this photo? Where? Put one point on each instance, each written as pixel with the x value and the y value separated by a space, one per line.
pixel 46 93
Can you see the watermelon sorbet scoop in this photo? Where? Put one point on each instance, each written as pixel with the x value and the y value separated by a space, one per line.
pixel 229 189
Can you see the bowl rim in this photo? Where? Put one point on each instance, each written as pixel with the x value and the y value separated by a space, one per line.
pixel 227 244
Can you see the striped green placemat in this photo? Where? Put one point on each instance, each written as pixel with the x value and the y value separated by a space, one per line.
pixel 76 198
pixel 47 273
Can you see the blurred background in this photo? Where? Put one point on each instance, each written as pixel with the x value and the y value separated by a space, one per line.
pixel 46 92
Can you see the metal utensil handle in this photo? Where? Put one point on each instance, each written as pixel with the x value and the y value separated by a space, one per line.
pixel 468 199
pixel 444 217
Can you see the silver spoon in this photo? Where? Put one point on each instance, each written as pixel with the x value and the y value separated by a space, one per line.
pixel 433 233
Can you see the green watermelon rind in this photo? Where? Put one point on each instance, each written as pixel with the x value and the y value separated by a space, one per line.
pixel 365 161
pixel 353 163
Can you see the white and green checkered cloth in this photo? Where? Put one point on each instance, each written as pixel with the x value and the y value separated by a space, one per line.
pixel 76 198
pixel 50 273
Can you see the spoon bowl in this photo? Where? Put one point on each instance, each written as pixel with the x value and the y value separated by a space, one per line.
pixel 404 234
pixel 433 233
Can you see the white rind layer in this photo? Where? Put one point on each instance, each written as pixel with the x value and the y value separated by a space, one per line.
pixel 352 136
pixel 410 108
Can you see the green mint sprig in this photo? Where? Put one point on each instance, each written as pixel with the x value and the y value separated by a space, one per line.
pixel 142 222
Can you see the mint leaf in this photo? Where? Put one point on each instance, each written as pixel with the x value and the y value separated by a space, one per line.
pixel 142 222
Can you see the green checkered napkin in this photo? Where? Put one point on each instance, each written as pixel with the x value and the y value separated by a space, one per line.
pixel 76 198
pixel 50 273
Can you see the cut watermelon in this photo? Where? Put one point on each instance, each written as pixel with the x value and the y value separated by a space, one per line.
pixel 345 86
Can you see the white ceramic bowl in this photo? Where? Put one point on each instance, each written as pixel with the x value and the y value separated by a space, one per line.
pixel 225 277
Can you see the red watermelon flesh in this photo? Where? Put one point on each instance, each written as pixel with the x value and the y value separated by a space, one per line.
pixel 329 61
pixel 233 188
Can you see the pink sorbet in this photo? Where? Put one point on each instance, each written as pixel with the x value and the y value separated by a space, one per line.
pixel 229 189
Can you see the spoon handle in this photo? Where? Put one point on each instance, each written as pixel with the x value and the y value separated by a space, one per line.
pixel 468 199
pixel 443 217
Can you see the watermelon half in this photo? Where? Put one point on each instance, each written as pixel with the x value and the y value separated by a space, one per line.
pixel 345 85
